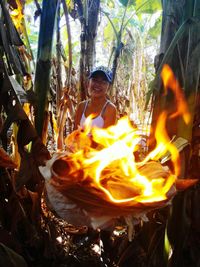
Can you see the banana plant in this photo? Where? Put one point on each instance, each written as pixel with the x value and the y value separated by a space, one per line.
pixel 43 64
pixel 180 49
pixel 135 8
pixel 69 37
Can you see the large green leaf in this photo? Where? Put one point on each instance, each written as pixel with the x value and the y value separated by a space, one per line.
pixel 148 6
pixel 43 66
pixel 184 28
pixel 108 33
pixel 134 23
pixel 125 2
pixel 156 29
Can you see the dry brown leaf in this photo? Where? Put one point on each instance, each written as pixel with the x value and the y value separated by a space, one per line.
pixel 153 170
pixel 182 184
pixel 5 160
pixel 123 189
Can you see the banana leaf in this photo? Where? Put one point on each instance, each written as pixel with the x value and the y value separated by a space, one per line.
pixel 12 3
pixel 178 228
pixel 13 35
pixel 9 40
pixel 182 56
pixel 43 65
pixel 183 31
pixel 181 51
pixel 127 2
pixel 26 134
pixel 20 92
pixel 5 160
pixel 10 258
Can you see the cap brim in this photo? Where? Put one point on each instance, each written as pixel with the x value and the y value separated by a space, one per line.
pixel 96 71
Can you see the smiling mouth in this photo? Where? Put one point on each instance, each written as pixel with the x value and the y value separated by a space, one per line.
pixel 97 89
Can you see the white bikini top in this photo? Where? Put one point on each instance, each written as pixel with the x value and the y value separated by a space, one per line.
pixel 97 121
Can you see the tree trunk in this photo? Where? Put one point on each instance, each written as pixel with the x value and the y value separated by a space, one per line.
pixel 89 23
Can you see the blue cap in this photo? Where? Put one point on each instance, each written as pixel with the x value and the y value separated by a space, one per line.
pixel 108 73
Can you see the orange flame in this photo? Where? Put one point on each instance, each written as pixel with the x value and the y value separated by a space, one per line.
pixel 111 165
pixel 170 81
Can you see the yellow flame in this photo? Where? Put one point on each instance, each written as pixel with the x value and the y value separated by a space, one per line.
pixel 106 157
pixel 164 144
pixel 170 81
pixel 115 162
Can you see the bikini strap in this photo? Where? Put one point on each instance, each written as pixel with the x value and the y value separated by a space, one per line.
pixel 86 104
pixel 104 108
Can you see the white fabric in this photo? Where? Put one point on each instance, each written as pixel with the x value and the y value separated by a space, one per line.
pixel 97 121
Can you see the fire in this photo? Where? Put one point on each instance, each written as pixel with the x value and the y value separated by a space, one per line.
pixel 106 157
pixel 170 81
pixel 113 168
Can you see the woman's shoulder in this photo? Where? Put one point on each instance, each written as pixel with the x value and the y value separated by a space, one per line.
pixel 110 115
pixel 111 105
pixel 110 109
pixel 82 104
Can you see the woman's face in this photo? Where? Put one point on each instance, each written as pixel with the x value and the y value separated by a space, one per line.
pixel 98 85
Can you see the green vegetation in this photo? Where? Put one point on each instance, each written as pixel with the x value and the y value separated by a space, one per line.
pixel 47 50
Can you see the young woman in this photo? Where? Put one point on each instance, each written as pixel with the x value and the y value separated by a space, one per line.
pixel 104 110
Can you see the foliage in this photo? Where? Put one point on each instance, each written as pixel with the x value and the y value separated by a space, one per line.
pixel 148 6
pixel 179 48
pixel 127 2
pixel 43 60
pixel 132 32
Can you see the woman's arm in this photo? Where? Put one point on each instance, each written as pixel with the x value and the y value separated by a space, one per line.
pixel 110 115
